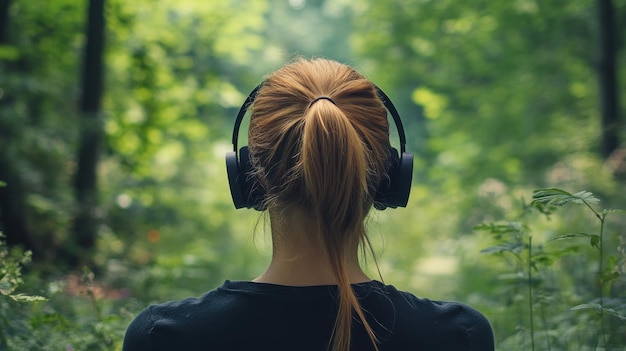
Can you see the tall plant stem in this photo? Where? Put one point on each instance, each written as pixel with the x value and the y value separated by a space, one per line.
pixel 542 310
pixel 600 282
pixel 601 278
pixel 530 292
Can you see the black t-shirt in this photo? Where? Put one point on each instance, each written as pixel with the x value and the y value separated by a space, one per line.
pixel 243 315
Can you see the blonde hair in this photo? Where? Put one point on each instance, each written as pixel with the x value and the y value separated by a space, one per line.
pixel 326 157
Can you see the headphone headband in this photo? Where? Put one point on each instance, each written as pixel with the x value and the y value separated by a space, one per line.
pixel 393 191
pixel 242 112
pixel 381 95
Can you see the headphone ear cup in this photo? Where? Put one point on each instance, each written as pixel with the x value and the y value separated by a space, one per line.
pixel 244 189
pixel 401 185
pixel 394 190
pixel 382 200
pixel 252 191
pixel 235 180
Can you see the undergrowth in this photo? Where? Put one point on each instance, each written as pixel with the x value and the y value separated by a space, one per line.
pixel 58 321
pixel 573 281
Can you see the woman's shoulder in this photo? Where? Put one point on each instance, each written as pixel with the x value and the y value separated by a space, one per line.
pixel 165 325
pixel 444 325
pixel 439 309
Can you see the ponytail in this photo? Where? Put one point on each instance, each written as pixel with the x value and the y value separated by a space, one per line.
pixel 334 169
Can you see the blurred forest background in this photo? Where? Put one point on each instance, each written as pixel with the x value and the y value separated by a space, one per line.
pixel 115 117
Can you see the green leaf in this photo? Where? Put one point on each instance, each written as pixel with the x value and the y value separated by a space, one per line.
pixel 9 53
pixel 594 239
pixel 27 298
pixel 597 307
pixel 585 196
pixel 586 306
pixel 552 196
pixel 506 247
pixel 613 210
pixel 609 276
pixel 518 277
pixel 501 228
pixel 614 313
pixel 544 259
pixel 56 319
pixel 559 197
pixel 546 209
pixel 2 184
pixel 6 287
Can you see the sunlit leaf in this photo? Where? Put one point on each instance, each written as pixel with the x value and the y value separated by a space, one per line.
pixel 27 298
pixel 433 103
pixel 9 53
pixel 6 287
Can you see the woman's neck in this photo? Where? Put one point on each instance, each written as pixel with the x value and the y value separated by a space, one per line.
pixel 298 259
pixel 307 269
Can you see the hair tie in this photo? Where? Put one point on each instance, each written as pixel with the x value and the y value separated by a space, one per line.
pixel 320 98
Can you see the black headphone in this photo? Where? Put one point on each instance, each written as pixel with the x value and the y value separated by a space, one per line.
pixel 392 192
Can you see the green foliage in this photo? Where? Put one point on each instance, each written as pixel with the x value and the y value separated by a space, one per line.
pixel 11 273
pixel 492 73
pixel 61 321
pixel 11 262
pixel 544 273
pixel 496 97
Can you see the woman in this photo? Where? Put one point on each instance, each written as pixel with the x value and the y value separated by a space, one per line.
pixel 319 156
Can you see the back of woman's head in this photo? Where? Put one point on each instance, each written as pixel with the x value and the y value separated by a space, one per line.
pixel 325 157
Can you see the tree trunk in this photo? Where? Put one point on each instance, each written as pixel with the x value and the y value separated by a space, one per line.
pixel 608 78
pixel 12 216
pixel 4 20
pixel 85 179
